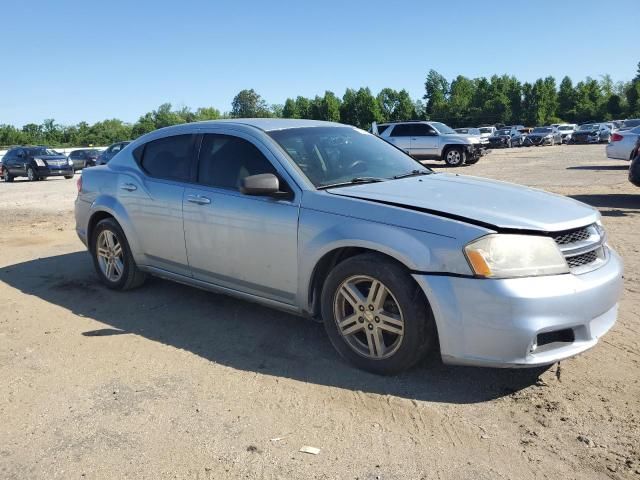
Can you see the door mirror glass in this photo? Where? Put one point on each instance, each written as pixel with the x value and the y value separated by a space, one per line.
pixel 263 184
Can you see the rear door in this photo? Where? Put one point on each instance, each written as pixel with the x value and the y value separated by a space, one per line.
pixel 424 140
pixel 241 242
pixel 153 199
pixel 400 136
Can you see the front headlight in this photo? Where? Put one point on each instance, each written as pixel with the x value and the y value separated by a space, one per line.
pixel 508 256
pixel 40 162
pixel 69 161
pixel 548 137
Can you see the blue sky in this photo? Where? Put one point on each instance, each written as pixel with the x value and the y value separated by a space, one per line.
pixel 84 60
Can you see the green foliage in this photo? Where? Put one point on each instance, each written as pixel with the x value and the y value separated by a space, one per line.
pixel 463 102
pixel 249 104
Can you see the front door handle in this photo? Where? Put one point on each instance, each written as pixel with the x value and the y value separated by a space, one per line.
pixel 199 199
pixel 129 187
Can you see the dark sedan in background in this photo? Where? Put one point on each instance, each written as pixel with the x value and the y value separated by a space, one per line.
pixel 543 136
pixel 591 133
pixel 35 163
pixel 506 137
pixel 83 158
pixel 110 152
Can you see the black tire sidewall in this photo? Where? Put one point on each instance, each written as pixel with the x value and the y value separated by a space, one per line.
pixel 112 225
pixel 419 332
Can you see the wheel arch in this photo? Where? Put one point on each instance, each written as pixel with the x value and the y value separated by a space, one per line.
pixel 108 207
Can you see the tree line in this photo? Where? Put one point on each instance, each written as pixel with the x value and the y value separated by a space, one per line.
pixel 460 102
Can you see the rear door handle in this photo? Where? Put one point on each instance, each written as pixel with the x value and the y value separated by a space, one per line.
pixel 129 187
pixel 198 199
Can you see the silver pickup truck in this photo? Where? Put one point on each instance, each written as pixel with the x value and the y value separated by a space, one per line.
pixel 431 141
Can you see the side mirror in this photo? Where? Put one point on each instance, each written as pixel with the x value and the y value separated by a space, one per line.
pixel 263 184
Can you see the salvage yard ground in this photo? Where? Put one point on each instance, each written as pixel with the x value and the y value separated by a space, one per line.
pixel 172 382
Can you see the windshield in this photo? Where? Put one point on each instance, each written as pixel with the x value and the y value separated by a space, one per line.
pixel 542 130
pixel 565 127
pixel 504 131
pixel 631 123
pixel 42 151
pixel 333 155
pixel 442 128
pixel 589 126
pixel 485 130
pixel 462 130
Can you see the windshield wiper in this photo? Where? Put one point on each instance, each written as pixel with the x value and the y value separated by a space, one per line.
pixel 353 181
pixel 412 173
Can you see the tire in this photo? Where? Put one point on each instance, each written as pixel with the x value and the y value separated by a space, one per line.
pixel 130 276
pixel 6 176
pixel 471 161
pixel 455 156
pixel 509 143
pixel 68 177
pixel 393 353
pixel 31 174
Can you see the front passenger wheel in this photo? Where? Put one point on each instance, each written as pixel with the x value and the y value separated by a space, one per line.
pixel 112 257
pixel 375 314
pixel 455 156
pixel 7 178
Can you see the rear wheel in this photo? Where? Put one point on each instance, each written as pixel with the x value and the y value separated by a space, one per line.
pixel 112 257
pixel 375 314
pixel 455 156
pixel 5 175
pixel 68 177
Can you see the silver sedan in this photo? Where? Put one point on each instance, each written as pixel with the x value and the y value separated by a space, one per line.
pixel 324 220
pixel 622 143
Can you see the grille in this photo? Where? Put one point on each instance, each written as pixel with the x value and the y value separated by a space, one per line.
pixel 573 236
pixel 584 259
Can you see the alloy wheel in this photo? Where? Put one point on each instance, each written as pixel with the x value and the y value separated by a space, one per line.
pixel 110 255
pixel 368 317
pixel 30 174
pixel 454 157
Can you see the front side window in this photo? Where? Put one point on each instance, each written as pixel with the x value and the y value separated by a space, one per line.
pixel 168 158
pixel 422 129
pixel 331 155
pixel 226 160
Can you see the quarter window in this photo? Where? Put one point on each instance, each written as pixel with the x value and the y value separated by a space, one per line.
pixel 225 160
pixel 168 158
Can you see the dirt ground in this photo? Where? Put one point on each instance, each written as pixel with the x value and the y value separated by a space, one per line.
pixel 172 382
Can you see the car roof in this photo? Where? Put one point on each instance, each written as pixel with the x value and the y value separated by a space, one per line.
pixel 270 124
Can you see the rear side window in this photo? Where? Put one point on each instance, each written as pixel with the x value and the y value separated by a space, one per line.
pixel 225 160
pixel 422 129
pixel 169 157
pixel 401 130
pixel 382 128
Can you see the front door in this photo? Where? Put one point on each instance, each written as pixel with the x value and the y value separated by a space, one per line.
pixel 424 140
pixel 244 243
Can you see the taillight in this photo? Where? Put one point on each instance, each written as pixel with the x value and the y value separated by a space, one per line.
pixel 79 183
pixel 616 137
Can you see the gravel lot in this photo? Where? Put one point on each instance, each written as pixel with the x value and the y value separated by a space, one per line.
pixel 172 382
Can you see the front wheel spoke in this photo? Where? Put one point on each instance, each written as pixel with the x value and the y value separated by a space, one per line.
pixel 108 239
pixel 103 252
pixel 375 342
pixel 118 267
pixel 377 295
pixel 352 295
pixel 109 270
pixel 117 250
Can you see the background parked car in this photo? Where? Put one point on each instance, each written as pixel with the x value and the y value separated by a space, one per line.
pixel 473 134
pixel 84 158
pixel 591 133
pixel 431 140
pixel 486 132
pixel 622 143
pixel 506 137
pixel 110 152
pixel 543 136
pixel 35 163
pixel 630 123
pixel 566 131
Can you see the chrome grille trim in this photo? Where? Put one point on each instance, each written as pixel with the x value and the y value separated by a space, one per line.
pixel 583 248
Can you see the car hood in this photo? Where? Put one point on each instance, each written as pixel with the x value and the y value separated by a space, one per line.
pixel 539 134
pixel 489 203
